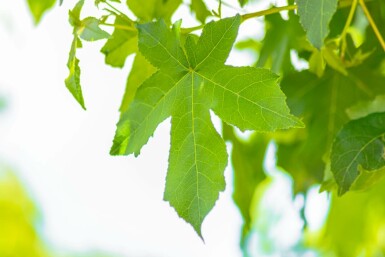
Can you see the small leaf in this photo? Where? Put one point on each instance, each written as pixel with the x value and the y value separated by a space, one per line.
pixel 121 44
pixel 315 16
pixel 333 60
pixel 73 80
pixel 186 88
pixel 200 10
pixel 74 14
pixel 358 149
pixel 153 9
pixel 323 103
pixel 89 30
pixel 39 7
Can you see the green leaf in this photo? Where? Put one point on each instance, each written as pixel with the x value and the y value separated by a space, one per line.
pixel 281 37
pixel 363 109
pixel 89 30
pixel 73 80
pixel 74 14
pixel 242 2
pixel 141 70
pixel 200 10
pixel 315 16
pixel 186 88
pixel 358 148
pixel 39 7
pixel 121 44
pixel 362 216
pixel 323 103
pixel 153 9
pixel 247 159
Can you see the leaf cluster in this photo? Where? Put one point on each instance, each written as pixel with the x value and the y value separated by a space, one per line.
pixel 327 119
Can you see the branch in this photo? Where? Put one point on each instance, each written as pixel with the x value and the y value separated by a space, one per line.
pixel 372 23
pixel 347 25
pixel 268 11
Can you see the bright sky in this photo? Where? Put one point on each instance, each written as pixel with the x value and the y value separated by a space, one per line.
pixel 90 200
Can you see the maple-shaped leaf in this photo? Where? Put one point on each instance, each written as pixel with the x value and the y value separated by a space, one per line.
pixel 186 88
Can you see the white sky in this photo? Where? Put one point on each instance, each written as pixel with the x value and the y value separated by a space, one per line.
pixel 89 199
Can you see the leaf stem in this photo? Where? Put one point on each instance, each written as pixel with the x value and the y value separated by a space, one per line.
pixel 268 11
pixel 347 25
pixel 247 16
pixel 372 24
pixel 189 30
pixel 117 26
pixel 115 9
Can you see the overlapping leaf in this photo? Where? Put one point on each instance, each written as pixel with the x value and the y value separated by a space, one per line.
pixel 186 88
pixel 358 149
pixel 200 10
pixel 150 9
pixel 315 16
pixel 323 103
pixel 281 37
pixel 355 224
pixel 122 42
pixel 87 29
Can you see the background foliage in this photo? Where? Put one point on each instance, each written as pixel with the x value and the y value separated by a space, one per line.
pixel 334 136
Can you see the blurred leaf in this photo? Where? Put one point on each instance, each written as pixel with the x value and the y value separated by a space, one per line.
pixel 148 10
pixel 250 44
pixel 39 7
pixel 355 225
pixel 74 14
pixel 121 44
pixel 18 217
pixel 89 30
pixel 281 37
pixel 317 63
pixel 315 16
pixel 200 10
pixel 363 109
pixel 359 150
pixel 3 103
pixel 247 158
pixel 333 60
pixel 322 102
pixel 73 80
